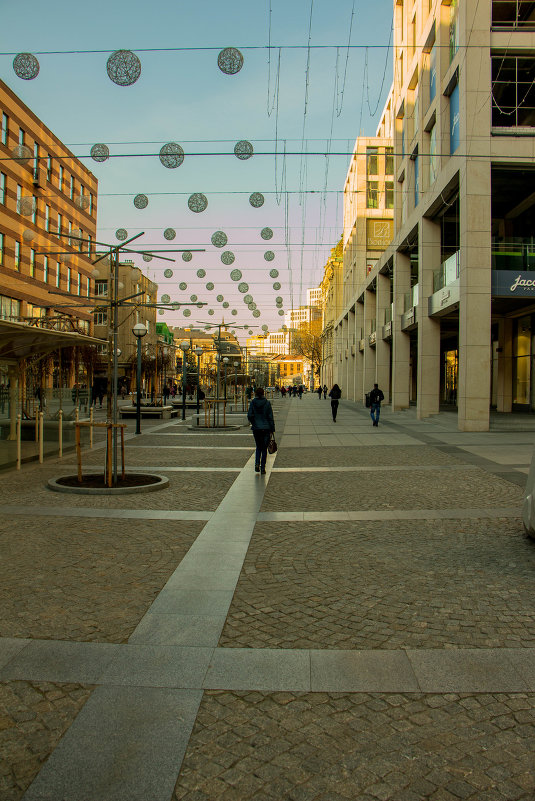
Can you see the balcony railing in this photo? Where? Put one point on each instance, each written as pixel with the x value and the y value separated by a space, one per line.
pixel 410 299
pixel 448 273
pixel 517 254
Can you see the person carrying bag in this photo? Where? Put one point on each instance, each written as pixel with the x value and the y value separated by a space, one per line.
pixel 260 415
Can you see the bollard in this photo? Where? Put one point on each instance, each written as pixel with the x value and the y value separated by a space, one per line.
pixel 60 433
pixel 19 454
pixel 41 437
pixel 36 425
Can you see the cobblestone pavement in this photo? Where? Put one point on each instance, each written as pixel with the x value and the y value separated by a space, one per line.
pixel 343 746
pixel 416 584
pixel 461 488
pixel 93 580
pixel 172 457
pixel 364 455
pixel 33 718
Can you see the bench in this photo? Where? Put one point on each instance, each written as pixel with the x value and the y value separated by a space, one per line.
pixel 163 412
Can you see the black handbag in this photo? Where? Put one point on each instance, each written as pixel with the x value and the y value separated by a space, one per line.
pixel 272 445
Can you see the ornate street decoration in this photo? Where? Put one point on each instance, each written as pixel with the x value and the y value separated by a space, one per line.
pixel 281 312
pixel 226 304
pixel 147 257
pixel 21 154
pixel 230 61
pixel 26 206
pixel 82 201
pixel 243 150
pixel 26 66
pixel 256 313
pixel 166 299
pixel 171 155
pixel 169 234
pixel 193 298
pixel 100 152
pixel 209 286
pixel 199 305
pixel 265 327
pixel 266 233
pixel 175 306
pixel 161 311
pixel 276 286
pixel 183 286
pixel 210 312
pixel 278 299
pixel 234 312
pixel 141 201
pixel 121 234
pixel 248 299
pixel 251 306
pixel 28 235
pixel 227 257
pixel 123 67
pixel 187 312
pixel 269 255
pixel 219 239
pixel 250 333
pixel 243 287
pixel 197 202
pixel 187 256
pixel 256 200
pixel 235 275
pixel 201 273
pixel 220 298
pixel 273 274
pixel 168 273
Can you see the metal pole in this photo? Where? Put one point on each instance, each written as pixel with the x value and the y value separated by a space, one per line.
pixel 115 366
pixel 60 433
pixel 138 382
pixel 19 446
pixel 198 384
pixel 184 377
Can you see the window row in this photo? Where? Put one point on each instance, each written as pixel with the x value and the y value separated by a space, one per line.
pixel 66 182
pixel 44 268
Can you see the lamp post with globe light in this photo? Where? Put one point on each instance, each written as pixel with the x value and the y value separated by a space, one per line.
pixel 184 347
pixel 139 331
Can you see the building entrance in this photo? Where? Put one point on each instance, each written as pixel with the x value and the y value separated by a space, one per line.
pixel 450 371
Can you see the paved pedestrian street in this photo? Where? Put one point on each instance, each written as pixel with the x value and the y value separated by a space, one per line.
pixel 359 623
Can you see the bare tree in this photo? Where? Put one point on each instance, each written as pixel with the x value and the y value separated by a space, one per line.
pixel 308 345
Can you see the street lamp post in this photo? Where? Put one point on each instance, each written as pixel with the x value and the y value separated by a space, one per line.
pixel 139 331
pixel 236 365
pixel 217 360
pixel 225 362
pixel 198 351
pixel 184 347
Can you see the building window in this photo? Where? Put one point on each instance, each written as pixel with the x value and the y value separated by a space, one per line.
pixel 60 223
pixel 49 168
pixel 58 275
pixel 71 193
pixel 416 163
pixel 69 277
pixel 372 195
pixel 90 209
pixel 454 31
pixel 36 160
pixel 61 176
pixel 17 256
pixel 513 92
pixel 2 249
pixel 432 74
pixel 45 269
pixel 372 166
pixel 513 14
pixel 101 318
pixel 389 160
pixel 70 233
pixel 34 213
pixel 3 188
pixel 19 197
pixel 9 308
pixel 454 119
pixel 79 285
pixel 47 218
pixel 32 262
pixel 522 361
pixel 89 245
pixel 432 155
pixel 22 136
pixel 80 241
pixel 101 288
pixel 389 194
pixel 5 128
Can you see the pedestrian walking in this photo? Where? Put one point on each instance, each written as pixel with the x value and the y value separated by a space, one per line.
pixel 325 392
pixel 319 391
pixel 376 396
pixel 260 415
pixel 335 394
pixel 283 391
pixel 294 391
pixel 300 391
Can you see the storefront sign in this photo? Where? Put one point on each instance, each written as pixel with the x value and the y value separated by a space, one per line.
pixel 379 233
pixel 507 284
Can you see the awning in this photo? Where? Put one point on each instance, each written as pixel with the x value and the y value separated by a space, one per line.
pixel 20 341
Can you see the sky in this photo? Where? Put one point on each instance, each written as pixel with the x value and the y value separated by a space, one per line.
pixel 300 90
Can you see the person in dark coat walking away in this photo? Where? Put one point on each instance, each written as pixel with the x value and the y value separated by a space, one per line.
pixel 300 391
pixel 325 392
pixel 260 415
pixel 376 396
pixel 335 394
pixel 319 391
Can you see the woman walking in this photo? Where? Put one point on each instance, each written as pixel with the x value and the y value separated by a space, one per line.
pixel 260 415
pixel 335 394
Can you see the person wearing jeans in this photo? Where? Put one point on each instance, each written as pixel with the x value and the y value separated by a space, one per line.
pixel 376 396
pixel 260 415
pixel 335 394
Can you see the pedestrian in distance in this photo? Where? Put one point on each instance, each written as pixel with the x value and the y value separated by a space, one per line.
pixel 376 396
pixel 325 392
pixel 260 415
pixel 335 394
pixel 319 391
pixel 283 392
pixel 300 391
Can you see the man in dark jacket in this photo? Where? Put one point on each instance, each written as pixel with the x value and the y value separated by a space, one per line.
pixel 376 396
pixel 260 415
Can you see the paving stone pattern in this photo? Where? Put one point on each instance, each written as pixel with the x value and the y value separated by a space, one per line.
pixel 364 455
pixel 340 746
pixel 92 580
pixel 33 718
pixel 451 583
pixel 461 488
pixel 136 457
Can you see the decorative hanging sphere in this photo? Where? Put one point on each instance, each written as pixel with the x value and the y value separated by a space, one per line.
pixel 28 235
pixel 284 327
pixel 226 304
pixel 236 275
pixel 100 152
pixel 276 286
pixel 121 234
pixel 175 306
pixel 248 299
pixel 243 150
pixel 201 273
pixel 209 286
pixel 21 154
pixel 161 311
pixel 187 256
pixel 168 273
pixel 234 312
pixel 82 201
pixel 266 233
pixel 250 333
pixel 256 313
pixel 256 200
pixel 278 299
pixel 169 234
pixel 193 298
pixel 243 287
pixel 26 66
pixel 281 312
pixel 210 312
pixel 197 202
pixel 141 201
pixel 200 305
pixel 220 298
pixel 26 206
pixel 273 273
pixel 165 298
pixel 230 61
pixel 219 239
pixel 187 312
pixel 265 327
pixel 147 257
pixel 227 257
pixel 182 285
pixel 251 306
pixel 171 155
pixel 269 255
pixel 123 67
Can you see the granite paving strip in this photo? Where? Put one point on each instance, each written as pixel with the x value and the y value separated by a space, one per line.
pixel 107 514
pixel 370 469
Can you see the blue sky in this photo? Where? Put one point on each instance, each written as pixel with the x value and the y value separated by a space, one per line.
pixel 183 97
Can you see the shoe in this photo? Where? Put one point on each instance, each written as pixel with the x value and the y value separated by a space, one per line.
pixel 257 468
pixel 263 471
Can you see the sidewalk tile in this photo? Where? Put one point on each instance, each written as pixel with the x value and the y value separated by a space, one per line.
pixel 259 669
pixel 362 671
